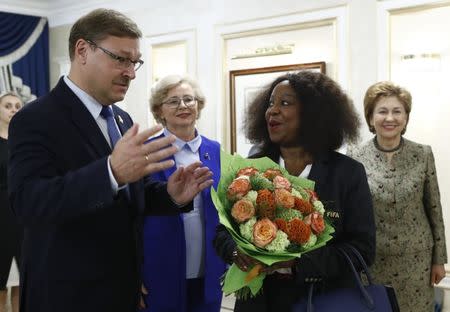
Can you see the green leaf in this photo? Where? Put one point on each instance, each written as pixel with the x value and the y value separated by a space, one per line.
pixel 235 280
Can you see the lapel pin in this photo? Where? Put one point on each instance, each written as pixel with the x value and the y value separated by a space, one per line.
pixel 207 156
pixel 120 119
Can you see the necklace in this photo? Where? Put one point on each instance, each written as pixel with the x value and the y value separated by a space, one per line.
pixel 385 150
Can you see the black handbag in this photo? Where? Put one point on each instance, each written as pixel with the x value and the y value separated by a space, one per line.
pixel 371 297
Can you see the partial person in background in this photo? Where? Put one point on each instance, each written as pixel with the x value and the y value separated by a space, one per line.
pixel 77 169
pixel 299 121
pixel 10 231
pixel 181 269
pixel 411 249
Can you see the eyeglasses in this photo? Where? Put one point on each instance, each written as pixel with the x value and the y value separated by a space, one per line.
pixel 121 62
pixel 175 102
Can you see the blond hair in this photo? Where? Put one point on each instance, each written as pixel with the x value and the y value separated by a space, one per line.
pixel 9 93
pixel 162 87
pixel 385 89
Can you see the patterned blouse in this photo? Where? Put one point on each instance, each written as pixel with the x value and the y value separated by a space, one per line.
pixel 406 199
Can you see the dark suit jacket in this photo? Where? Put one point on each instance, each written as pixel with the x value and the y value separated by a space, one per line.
pixel 341 184
pixel 81 243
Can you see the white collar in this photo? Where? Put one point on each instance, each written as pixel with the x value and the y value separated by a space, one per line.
pixel 91 104
pixel 303 174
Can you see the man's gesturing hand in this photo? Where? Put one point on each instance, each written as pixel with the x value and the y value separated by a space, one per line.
pixel 187 182
pixel 131 159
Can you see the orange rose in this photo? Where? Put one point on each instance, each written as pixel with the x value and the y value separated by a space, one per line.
pixel 247 171
pixel 283 198
pixel 272 173
pixel 238 188
pixel 315 220
pixel 280 182
pixel 264 232
pixel 242 210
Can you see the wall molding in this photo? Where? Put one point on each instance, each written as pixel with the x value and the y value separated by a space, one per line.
pixel 63 12
pixel 223 32
pixel 188 36
pixel 384 11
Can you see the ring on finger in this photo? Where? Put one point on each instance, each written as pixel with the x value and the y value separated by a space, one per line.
pixel 146 158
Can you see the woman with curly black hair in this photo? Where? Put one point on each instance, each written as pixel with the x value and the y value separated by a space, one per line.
pixel 299 121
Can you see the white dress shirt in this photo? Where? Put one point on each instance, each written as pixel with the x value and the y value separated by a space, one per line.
pixel 95 108
pixel 194 226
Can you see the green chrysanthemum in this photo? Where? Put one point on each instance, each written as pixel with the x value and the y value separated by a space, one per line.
pixel 279 243
pixel 311 241
pixel 251 196
pixel 296 193
pixel 247 229
pixel 303 194
pixel 259 182
pixel 318 206
pixel 288 214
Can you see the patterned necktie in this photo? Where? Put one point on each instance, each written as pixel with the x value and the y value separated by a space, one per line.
pixel 113 132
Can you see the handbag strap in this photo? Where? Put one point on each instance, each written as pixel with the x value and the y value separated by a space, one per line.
pixel 364 293
pixel 363 264
pixel 366 296
pixel 309 305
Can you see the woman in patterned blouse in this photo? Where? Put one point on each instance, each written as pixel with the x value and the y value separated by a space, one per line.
pixel 410 239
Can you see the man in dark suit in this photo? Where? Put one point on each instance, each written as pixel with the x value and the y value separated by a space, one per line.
pixel 77 184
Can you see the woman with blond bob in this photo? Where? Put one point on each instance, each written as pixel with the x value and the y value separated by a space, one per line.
pixel 410 251
pixel 10 233
pixel 181 269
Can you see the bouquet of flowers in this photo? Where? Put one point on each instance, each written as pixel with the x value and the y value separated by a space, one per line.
pixel 271 215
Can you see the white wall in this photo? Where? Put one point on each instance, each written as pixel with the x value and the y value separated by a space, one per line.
pixel 207 18
pixel 363 62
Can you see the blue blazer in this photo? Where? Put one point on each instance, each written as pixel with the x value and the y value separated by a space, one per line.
pixel 78 238
pixel 164 271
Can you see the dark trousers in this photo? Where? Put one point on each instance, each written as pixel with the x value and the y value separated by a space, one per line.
pixel 111 294
pixel 194 300
pixel 10 239
pixel 278 295
pixel 195 297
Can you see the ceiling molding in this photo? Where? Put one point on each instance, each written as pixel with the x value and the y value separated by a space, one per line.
pixel 38 8
pixel 63 12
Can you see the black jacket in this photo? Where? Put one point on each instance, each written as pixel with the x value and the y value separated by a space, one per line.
pixel 78 238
